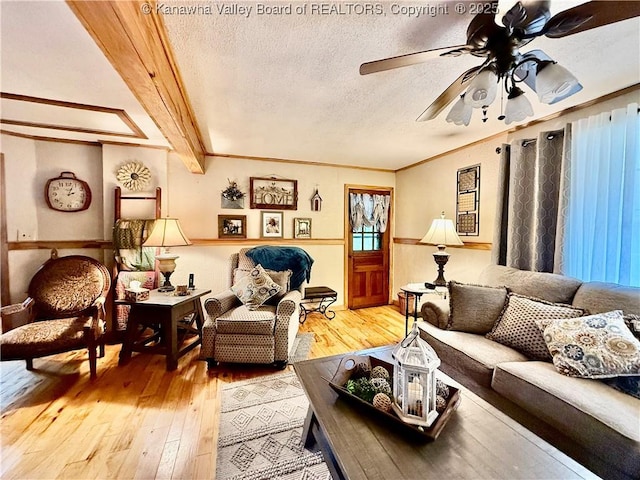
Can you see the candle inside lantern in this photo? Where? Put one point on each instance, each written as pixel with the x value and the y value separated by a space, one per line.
pixel 414 391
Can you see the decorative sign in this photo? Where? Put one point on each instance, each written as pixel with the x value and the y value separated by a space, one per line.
pixel 468 201
pixel 273 193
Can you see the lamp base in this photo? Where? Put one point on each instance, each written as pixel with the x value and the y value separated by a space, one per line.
pixel 441 258
pixel 166 286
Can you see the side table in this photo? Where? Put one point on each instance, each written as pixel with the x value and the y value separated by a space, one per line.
pixel 417 290
pixel 172 319
pixel 323 297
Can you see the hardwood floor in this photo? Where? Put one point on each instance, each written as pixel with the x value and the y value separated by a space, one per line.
pixel 140 421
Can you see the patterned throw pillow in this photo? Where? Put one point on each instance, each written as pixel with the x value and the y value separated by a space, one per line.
pixel 516 327
pixel 256 288
pixel 597 346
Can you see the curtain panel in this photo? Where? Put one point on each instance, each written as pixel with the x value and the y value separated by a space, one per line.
pixel 603 221
pixel 533 178
pixel 369 210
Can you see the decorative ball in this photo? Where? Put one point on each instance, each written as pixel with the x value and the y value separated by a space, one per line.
pixel 382 402
pixel 381 385
pixel 380 372
pixel 441 404
pixel 361 370
pixel 442 389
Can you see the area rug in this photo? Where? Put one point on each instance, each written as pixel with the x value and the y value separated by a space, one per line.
pixel 260 432
pixel 301 347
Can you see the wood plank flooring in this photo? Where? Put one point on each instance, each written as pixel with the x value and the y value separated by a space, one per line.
pixel 140 421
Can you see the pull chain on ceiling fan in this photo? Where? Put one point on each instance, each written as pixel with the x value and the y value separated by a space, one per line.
pixel 504 63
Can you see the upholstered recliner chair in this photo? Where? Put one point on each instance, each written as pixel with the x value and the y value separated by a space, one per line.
pixel 237 332
pixel 64 312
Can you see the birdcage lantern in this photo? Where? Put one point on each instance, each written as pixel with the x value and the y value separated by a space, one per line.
pixel 414 380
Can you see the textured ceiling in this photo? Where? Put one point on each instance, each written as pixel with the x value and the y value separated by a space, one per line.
pixel 287 85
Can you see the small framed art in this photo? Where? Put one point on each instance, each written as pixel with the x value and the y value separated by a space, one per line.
pixel 232 226
pixel 271 224
pixel 301 228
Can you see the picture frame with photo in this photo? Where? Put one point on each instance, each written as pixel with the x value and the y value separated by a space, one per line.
pixel 301 228
pixel 271 224
pixel 232 226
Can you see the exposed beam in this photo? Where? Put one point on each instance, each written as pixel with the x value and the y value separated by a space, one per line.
pixel 132 36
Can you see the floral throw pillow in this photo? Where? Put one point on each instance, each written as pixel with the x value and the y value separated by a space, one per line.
pixel 256 288
pixel 596 346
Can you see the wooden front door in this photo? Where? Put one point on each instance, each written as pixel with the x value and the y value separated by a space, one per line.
pixel 368 260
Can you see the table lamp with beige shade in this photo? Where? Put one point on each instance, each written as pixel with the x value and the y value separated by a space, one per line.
pixel 167 233
pixel 441 233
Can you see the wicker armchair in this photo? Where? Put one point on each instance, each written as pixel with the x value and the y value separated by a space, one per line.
pixel 234 334
pixel 64 312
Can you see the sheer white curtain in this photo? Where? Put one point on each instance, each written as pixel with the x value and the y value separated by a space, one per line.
pixel 602 231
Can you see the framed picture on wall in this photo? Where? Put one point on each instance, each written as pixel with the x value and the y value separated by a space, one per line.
pixel 273 193
pixel 301 228
pixel 232 226
pixel 468 201
pixel 271 224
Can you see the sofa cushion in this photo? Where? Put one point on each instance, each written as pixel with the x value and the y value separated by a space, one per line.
pixel 590 412
pixel 474 308
pixel 517 327
pixel 241 320
pixel 599 297
pixel 548 286
pixel 473 354
pixel 256 288
pixel 597 346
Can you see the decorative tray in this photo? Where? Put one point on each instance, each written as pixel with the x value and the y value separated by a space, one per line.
pixel 346 369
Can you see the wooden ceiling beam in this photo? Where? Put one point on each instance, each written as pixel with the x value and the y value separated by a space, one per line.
pixel 133 37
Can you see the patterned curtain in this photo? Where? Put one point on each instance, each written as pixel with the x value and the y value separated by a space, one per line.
pixel 532 202
pixel 369 210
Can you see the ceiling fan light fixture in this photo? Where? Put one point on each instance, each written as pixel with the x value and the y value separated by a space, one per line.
pixel 554 82
pixel 460 113
pixel 482 90
pixel 518 107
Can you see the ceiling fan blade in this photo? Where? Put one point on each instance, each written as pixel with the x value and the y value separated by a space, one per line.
pixel 405 60
pixel 530 18
pixel 590 15
pixel 449 95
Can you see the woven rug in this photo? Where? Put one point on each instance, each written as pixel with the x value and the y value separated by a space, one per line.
pixel 260 432
pixel 301 347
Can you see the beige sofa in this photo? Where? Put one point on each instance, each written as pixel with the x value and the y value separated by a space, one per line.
pixel 593 422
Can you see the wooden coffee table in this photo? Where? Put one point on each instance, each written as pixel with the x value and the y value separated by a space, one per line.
pixel 478 441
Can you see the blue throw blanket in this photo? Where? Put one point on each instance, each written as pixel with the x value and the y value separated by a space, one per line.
pixel 284 258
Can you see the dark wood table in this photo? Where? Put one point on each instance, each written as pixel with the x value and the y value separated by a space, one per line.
pixel 322 298
pixel 176 323
pixel 478 441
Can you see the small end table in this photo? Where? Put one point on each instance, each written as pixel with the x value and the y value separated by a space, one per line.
pixel 167 315
pixel 323 297
pixel 417 290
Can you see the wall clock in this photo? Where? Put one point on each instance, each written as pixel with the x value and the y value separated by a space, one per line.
pixel 67 193
pixel 134 176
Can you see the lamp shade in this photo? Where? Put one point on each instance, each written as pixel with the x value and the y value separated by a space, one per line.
pixel 442 232
pixel 167 232
pixel 554 82
pixel 460 113
pixel 518 107
pixel 482 90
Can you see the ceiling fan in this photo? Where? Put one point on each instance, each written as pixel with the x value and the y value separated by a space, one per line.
pixel 500 46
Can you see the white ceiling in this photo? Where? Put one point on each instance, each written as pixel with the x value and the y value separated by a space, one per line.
pixel 287 86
